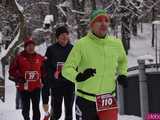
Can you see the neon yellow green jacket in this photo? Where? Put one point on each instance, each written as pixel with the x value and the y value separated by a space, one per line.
pixel 106 55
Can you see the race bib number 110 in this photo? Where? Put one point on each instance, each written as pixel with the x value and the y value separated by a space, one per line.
pixel 105 102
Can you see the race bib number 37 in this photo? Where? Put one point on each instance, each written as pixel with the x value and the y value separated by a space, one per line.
pixel 31 75
pixel 105 102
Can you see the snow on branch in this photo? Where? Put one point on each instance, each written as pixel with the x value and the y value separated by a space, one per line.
pixel 20 8
pixel 134 5
pixel 33 4
pixel 140 1
pixel 1 37
pixel 79 12
pixel 48 19
pixel 21 32
pixel 146 57
pixel 60 8
pixel 131 8
pixel 65 4
pixel 149 9
pixel 157 22
pixel 5 52
pixel 109 6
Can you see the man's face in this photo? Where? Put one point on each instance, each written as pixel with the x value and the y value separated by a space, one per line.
pixel 100 26
pixel 63 39
pixel 30 48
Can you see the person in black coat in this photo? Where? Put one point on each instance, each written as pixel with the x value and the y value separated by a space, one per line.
pixel 60 87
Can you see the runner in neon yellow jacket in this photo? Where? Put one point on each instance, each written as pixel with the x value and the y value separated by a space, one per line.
pixel 106 55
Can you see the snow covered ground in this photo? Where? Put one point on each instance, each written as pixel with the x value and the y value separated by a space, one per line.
pixel 140 46
pixel 8 112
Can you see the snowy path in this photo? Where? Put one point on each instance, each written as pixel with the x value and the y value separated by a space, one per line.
pixel 8 112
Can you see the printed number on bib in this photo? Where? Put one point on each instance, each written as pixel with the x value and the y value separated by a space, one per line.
pixel 58 70
pixel 31 75
pixel 105 102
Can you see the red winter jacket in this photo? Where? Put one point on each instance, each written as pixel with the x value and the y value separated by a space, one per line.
pixel 27 67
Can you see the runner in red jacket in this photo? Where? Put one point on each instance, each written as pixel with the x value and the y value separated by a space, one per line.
pixel 26 71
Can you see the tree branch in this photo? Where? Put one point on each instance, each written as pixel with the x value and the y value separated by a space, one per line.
pixel 21 34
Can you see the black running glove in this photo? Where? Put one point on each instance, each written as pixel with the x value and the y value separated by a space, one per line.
pixel 86 74
pixel 122 80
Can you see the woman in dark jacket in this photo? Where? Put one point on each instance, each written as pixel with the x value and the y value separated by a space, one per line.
pixel 60 87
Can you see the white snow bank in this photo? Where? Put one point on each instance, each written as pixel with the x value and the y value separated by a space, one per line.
pixel 129 117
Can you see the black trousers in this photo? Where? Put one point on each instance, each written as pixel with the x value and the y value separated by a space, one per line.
pixel 85 110
pixel 18 100
pixel 57 96
pixel 45 94
pixel 34 96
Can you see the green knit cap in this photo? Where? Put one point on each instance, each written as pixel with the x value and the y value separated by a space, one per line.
pixel 97 12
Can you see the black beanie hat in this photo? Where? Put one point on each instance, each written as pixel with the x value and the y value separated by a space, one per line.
pixel 61 30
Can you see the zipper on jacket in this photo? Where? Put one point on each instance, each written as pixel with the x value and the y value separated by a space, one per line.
pixel 101 80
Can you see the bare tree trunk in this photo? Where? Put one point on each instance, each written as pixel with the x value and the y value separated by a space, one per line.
pixel 7 3
pixel 79 6
pixel 22 29
pixel 54 11
pixel 12 6
pixel 153 26
pixel 125 27
pixel 93 3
